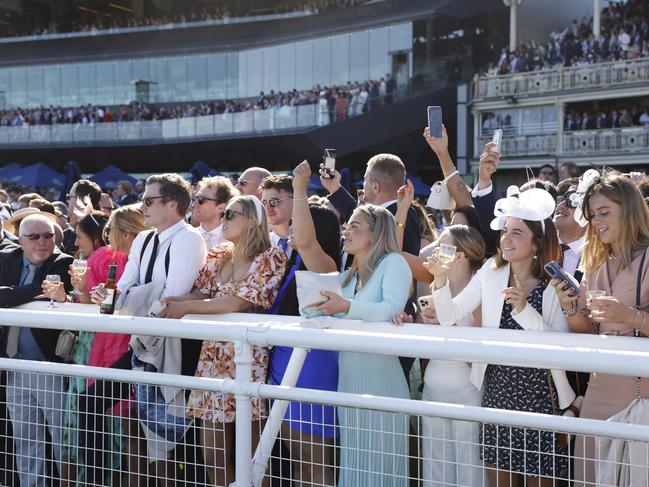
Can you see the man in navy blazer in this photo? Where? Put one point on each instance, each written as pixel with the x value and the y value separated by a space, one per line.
pixel 33 400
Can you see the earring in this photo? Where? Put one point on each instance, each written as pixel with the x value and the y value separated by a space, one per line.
pixel 535 257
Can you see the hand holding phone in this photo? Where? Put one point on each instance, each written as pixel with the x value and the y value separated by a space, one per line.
pixel 555 271
pixel 498 139
pixel 328 163
pixel 435 121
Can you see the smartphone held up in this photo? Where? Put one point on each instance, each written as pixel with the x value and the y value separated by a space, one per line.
pixel 435 121
pixel 328 163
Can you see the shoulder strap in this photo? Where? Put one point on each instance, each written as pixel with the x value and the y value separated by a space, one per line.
pixel 168 259
pixel 639 281
pixel 146 243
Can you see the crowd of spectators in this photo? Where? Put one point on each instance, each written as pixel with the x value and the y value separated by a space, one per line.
pixel 624 35
pixel 89 20
pixel 606 119
pixel 335 103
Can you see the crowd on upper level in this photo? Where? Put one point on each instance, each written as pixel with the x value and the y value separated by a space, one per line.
pixel 334 103
pixel 89 20
pixel 624 35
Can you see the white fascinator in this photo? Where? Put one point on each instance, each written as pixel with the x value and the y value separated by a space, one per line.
pixel 586 182
pixel 533 205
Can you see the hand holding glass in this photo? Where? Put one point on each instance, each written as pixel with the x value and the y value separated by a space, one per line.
pixel 53 281
pixel 446 253
pixel 79 267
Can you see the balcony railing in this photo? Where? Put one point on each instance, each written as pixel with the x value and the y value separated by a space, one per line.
pixel 582 142
pixel 534 83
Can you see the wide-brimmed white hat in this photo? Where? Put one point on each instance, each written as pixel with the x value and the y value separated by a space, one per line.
pixel 532 205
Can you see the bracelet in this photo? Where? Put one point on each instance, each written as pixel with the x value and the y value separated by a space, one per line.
pixel 637 313
pixel 401 225
pixel 644 317
pixel 571 312
pixel 300 199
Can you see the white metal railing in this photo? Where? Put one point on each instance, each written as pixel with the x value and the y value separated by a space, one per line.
pixel 615 355
pixel 155 131
pixel 534 83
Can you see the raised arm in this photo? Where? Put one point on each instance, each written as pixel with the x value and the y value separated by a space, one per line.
pixel 456 187
pixel 314 257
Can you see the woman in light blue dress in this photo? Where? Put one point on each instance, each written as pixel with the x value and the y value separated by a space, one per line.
pixel 373 444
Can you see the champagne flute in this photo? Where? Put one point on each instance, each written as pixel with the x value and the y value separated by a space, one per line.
pixel 53 281
pixel 446 253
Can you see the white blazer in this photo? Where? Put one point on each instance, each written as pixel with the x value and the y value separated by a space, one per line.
pixel 486 289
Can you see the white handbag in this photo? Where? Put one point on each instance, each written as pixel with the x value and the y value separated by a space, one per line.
pixel 309 285
pixel 440 198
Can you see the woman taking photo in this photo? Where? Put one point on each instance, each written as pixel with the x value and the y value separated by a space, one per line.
pixel 315 239
pixel 374 445
pixel 240 275
pixel 450 452
pixel 615 264
pixel 512 289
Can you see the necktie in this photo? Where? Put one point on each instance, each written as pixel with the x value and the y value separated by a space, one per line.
pixel 564 247
pixel 14 331
pixel 154 254
pixel 283 244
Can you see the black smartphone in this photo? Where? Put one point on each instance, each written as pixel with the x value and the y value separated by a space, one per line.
pixel 435 121
pixel 555 271
pixel 328 163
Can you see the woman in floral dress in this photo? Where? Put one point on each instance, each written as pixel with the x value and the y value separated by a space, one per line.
pixel 240 275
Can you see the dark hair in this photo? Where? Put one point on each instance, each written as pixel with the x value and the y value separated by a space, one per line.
pixel 473 221
pixel 564 186
pixel 127 185
pixel 173 187
pixel 548 166
pixel 93 226
pixel 327 229
pixel 43 205
pixel 572 169
pixel 547 243
pixel 85 187
pixel 282 182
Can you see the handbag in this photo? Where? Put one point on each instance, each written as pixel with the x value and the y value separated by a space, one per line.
pixel 440 198
pixel 309 286
pixel 65 344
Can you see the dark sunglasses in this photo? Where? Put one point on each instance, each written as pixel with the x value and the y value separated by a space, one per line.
pixel 566 201
pixel 274 202
pixel 148 201
pixel 228 215
pixel 35 236
pixel 202 199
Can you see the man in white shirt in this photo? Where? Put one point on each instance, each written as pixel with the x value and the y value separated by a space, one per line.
pixel 249 181
pixel 572 236
pixel 172 248
pixel 212 197
pixel 277 198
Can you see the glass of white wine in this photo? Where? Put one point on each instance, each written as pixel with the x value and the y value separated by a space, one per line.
pixel 446 253
pixel 79 267
pixel 53 281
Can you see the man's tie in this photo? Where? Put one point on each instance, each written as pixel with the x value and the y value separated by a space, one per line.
pixel 14 331
pixel 564 247
pixel 154 253
pixel 283 244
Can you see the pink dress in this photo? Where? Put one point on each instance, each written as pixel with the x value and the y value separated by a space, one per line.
pixel 106 347
pixel 608 394
pixel 259 287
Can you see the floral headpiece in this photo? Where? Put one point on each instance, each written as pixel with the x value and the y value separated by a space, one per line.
pixel 586 183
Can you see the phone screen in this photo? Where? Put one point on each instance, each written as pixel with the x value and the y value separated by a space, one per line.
pixel 498 139
pixel 328 163
pixel 435 121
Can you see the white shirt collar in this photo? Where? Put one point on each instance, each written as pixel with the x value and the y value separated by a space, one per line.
pixel 164 235
pixel 215 231
pixel 387 203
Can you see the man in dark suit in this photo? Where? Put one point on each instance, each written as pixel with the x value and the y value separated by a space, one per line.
pixel 32 399
pixel 124 194
pixel 7 240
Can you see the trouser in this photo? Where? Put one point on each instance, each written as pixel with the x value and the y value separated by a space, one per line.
pixel 94 441
pixel 35 402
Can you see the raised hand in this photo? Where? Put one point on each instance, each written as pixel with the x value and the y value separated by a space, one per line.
pixel 438 144
pixel 301 175
pixel 516 295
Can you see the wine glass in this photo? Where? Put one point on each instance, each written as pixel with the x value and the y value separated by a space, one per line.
pixel 446 253
pixel 53 281
pixel 79 267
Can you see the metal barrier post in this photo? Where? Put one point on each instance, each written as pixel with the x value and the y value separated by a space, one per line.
pixel 243 424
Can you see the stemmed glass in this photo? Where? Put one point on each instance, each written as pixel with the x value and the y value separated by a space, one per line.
pixel 53 281
pixel 79 268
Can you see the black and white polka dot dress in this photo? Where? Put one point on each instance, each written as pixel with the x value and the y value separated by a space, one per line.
pixel 521 450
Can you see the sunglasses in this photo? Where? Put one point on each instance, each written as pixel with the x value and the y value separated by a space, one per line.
pixel 36 236
pixel 228 215
pixel 202 199
pixel 274 202
pixel 148 201
pixel 566 201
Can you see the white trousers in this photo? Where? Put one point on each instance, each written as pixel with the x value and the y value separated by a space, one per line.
pixel 35 402
pixel 450 448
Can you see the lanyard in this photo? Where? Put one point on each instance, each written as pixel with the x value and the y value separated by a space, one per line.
pixel 287 281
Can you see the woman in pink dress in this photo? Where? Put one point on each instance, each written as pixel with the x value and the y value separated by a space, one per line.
pixel 241 275
pixel 614 260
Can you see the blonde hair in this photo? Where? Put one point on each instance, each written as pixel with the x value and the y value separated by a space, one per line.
pixel 127 220
pixel 468 241
pixel 255 239
pixel 384 241
pixel 634 224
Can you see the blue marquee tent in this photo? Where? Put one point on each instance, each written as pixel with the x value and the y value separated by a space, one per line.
pixel 37 175
pixel 110 176
pixel 421 188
